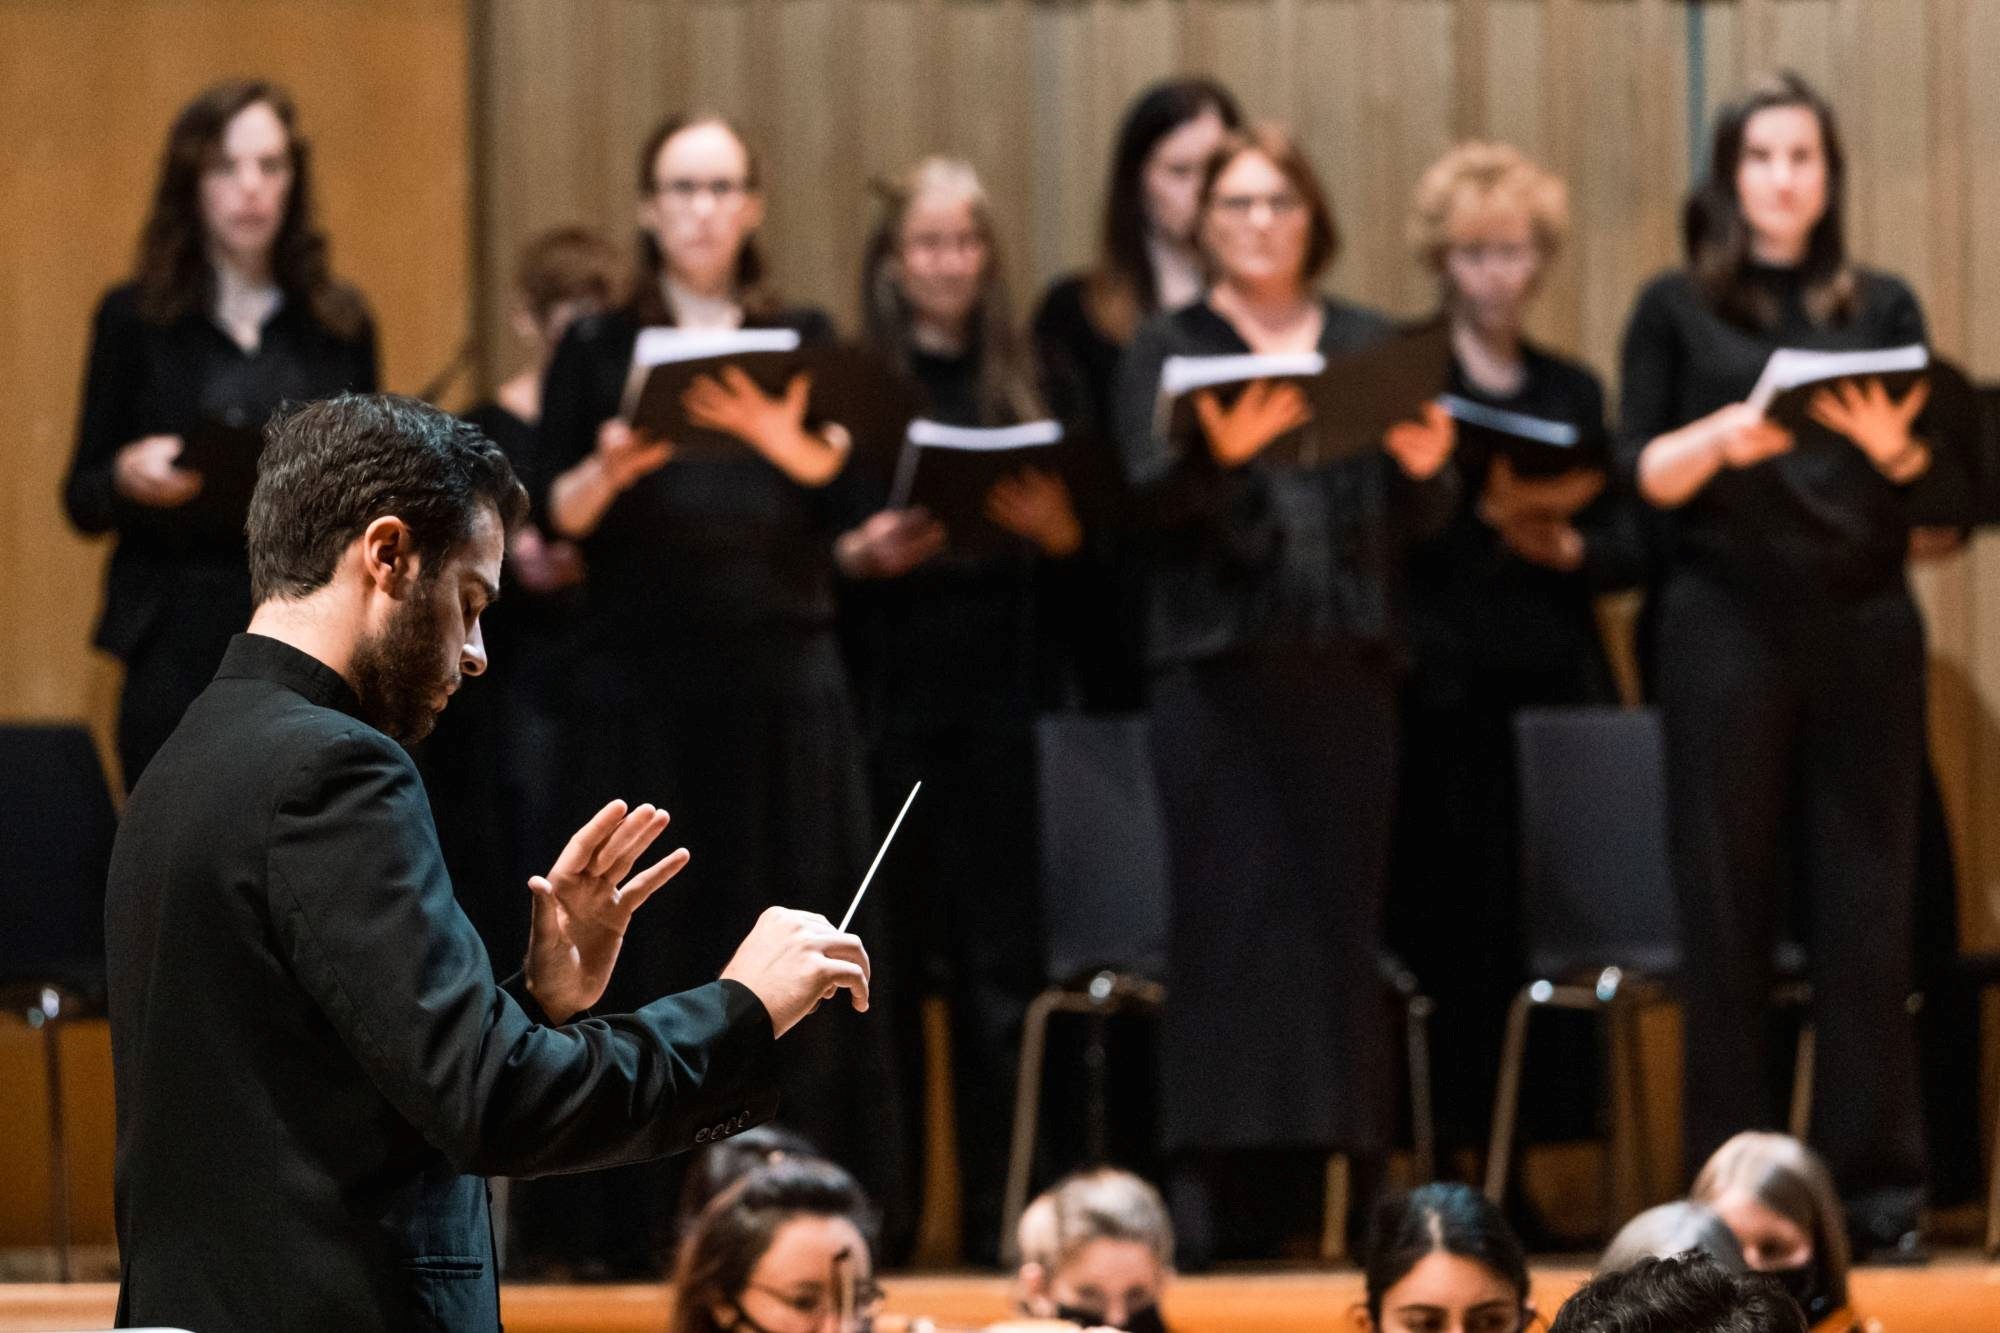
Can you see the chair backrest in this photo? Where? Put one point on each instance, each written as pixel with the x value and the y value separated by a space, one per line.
pixel 56 828
pixel 1103 846
pixel 1597 886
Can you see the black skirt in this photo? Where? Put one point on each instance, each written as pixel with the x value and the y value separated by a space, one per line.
pixel 1277 775
pixel 749 740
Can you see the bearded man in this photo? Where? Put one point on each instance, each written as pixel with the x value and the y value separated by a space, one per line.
pixel 314 1065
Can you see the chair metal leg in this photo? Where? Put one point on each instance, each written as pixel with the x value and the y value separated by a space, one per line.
pixel 1622 1186
pixel 1423 1114
pixel 1334 1204
pixel 1993 1204
pixel 58 1149
pixel 1507 1097
pixel 1800 1121
pixel 1027 1114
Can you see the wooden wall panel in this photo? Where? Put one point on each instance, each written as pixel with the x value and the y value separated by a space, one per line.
pixel 87 88
pixel 1600 90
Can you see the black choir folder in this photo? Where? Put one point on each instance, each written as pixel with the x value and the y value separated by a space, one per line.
pixel 1785 390
pixel 225 454
pixel 1958 421
pixel 850 385
pixel 950 470
pixel 1354 396
pixel 1536 446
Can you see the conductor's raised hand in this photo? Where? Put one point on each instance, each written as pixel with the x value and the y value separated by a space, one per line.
pixel 792 960
pixel 584 903
pixel 625 455
pixel 1421 447
pixel 1265 410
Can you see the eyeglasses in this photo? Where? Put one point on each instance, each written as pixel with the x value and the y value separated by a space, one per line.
pixel 1236 207
pixel 942 243
pixel 682 191
pixel 1508 254
pixel 816 1303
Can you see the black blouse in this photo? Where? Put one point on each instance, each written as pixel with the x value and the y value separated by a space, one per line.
pixel 723 545
pixel 1475 606
pixel 1819 522
pixel 1262 556
pixel 954 642
pixel 1079 361
pixel 146 378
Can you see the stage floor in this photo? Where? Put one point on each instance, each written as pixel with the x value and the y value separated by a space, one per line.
pixel 1956 1294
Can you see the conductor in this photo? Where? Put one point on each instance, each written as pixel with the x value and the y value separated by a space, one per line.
pixel 314 1066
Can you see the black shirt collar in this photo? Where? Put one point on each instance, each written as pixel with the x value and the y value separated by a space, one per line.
pixel 260 657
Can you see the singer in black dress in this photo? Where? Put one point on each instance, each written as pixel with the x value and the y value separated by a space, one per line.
pixel 231 311
pixel 1275 645
pixel 1502 617
pixel 948 643
pixel 709 675
pixel 1148 261
pixel 1790 652
pixel 493 793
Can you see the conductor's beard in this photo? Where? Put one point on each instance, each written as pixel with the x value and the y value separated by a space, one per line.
pixel 404 674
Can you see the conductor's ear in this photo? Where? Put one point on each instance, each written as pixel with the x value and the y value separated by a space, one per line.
pixel 389 555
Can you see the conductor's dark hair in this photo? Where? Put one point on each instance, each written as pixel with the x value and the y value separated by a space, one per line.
pixel 1717 236
pixel 332 467
pixel 736 1229
pixel 1445 1217
pixel 649 302
pixel 172 268
pixel 721 1165
pixel 1690 1293
pixel 1121 290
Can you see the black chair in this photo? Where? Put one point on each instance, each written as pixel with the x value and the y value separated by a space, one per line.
pixel 1104 893
pixel 56 827
pixel 1600 920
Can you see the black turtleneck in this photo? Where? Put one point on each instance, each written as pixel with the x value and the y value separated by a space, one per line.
pixel 1815 524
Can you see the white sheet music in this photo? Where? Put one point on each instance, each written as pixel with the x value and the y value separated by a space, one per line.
pixel 1183 374
pixel 1790 367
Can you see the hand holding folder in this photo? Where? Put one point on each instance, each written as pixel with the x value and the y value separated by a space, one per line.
pixel 1306 409
pixel 224 455
pixel 714 393
pixel 989 486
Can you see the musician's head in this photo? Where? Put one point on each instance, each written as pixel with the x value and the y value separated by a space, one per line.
pixel 786 1249
pixel 1442 1257
pixel 1097 1250
pixel 376 533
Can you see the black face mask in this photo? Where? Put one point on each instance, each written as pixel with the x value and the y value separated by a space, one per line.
pixel 1806 1285
pixel 1145 1319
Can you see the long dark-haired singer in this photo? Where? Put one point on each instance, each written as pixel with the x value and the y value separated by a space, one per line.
pixel 231 309
pixel 1148 260
pixel 709 673
pixel 1790 653
pixel 949 656
pixel 1275 652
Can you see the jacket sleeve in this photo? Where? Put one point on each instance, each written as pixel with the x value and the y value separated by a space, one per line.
pixel 363 912
pixel 110 384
